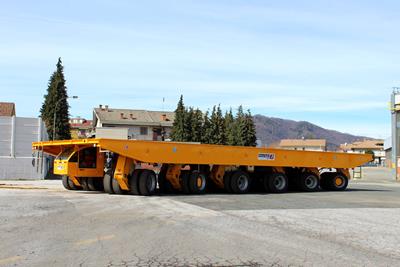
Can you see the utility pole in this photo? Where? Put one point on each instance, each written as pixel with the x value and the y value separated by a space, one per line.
pixel 395 110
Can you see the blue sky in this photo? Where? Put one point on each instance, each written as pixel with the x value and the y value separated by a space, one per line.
pixel 332 63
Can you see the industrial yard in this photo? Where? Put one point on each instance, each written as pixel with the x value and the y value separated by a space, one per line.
pixel 43 224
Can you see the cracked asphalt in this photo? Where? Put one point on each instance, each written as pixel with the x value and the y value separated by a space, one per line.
pixel 41 224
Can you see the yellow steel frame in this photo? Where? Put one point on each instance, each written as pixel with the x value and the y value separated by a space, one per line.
pixel 345 172
pixel 72 169
pixel 178 154
pixel 173 173
pixel 122 170
pixel 217 175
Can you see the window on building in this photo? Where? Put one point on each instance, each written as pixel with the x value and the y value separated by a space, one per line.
pixel 143 130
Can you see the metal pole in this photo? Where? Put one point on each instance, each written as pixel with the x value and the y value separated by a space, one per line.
pixel 395 139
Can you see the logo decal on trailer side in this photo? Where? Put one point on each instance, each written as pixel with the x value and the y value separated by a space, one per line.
pixel 266 156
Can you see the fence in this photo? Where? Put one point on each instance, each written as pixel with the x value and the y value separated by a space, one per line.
pixel 17 161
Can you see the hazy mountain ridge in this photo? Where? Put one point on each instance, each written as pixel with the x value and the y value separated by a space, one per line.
pixel 271 130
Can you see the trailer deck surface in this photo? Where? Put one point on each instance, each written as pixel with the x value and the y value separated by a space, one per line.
pixel 191 153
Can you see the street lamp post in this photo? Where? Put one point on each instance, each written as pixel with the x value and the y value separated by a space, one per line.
pixel 55 109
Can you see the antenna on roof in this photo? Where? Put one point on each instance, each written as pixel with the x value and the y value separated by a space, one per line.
pixel 163 101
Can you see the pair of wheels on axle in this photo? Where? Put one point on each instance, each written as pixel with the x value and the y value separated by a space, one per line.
pixel 87 184
pixel 330 181
pixel 141 182
pixel 239 182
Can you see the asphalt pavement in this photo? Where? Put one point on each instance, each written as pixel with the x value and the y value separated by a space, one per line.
pixel 41 224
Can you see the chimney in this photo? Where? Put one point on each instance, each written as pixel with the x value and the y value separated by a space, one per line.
pixel 131 116
pixel 163 117
pixel 122 115
pixel 106 107
pixel 101 107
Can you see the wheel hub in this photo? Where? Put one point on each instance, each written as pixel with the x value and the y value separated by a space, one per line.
pixel 338 181
pixel 310 181
pixel 279 182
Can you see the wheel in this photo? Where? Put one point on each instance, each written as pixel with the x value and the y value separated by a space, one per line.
pixel 240 182
pixel 227 182
pixel 336 182
pixel 308 182
pixel 98 184
pixel 71 185
pixel 91 185
pixel 276 183
pixel 184 181
pixel 164 185
pixel 65 182
pixel 147 183
pixel 323 182
pixel 197 182
pixel 116 188
pixel 107 183
pixel 134 182
pixel 84 183
pixel 95 184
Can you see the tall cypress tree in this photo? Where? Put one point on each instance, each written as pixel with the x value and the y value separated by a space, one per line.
pixel 56 103
pixel 178 127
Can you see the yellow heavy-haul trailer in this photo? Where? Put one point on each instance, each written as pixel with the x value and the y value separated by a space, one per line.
pixel 143 167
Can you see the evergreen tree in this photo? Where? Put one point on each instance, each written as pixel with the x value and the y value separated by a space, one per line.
pixel 250 133
pixel 178 127
pixel 55 103
pixel 221 140
pixel 206 130
pixel 188 130
pixel 230 128
pixel 197 125
pixel 240 133
pixel 217 130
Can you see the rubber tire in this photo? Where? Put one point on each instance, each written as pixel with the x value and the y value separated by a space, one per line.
pixel 331 185
pixel 98 184
pixel 303 185
pixel 91 184
pixel 84 183
pixel 270 186
pixel 116 188
pixel 65 182
pixel 235 182
pixel 184 181
pixel 72 185
pixel 107 183
pixel 164 186
pixel 143 182
pixel 227 182
pixel 324 181
pixel 134 182
pixel 194 189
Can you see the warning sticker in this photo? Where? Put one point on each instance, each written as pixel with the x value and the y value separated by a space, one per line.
pixel 266 156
